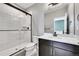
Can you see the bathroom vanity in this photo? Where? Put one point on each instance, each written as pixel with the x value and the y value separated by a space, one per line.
pixel 58 46
pixel 54 48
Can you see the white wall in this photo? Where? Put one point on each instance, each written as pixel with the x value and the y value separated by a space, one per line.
pixel 12 19
pixel 73 11
pixel 76 19
pixel 49 17
pixel 71 17
pixel 37 11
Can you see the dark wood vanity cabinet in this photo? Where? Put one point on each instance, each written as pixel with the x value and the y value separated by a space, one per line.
pixel 53 48
pixel 61 52
pixel 61 49
pixel 44 48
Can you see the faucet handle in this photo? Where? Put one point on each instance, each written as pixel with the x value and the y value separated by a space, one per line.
pixel 25 28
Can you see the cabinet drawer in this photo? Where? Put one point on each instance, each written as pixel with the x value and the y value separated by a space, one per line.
pixel 69 47
pixel 61 52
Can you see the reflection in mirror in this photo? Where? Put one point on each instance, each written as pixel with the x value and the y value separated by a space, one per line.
pixel 57 20
pixel 59 26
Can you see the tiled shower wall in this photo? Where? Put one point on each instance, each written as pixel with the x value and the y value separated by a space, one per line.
pixel 11 22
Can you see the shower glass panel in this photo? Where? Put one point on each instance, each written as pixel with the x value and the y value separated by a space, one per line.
pixel 15 27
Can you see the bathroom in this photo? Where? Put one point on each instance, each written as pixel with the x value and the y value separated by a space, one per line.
pixel 39 29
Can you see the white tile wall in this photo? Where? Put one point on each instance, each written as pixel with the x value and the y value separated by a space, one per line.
pixel 12 19
pixel 25 36
pixel 8 39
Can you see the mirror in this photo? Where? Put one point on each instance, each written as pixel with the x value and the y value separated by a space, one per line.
pixel 57 20
pixel 59 24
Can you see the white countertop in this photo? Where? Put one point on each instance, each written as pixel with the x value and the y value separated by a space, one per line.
pixel 70 39
pixel 10 51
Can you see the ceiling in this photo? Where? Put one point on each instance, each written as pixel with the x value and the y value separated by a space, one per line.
pixel 56 7
pixel 25 6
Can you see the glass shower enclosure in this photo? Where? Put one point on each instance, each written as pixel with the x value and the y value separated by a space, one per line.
pixel 15 27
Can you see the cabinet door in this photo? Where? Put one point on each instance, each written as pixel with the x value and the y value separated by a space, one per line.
pixel 61 52
pixel 45 50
